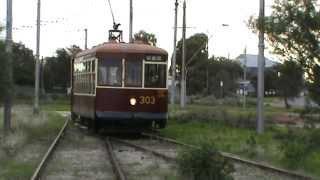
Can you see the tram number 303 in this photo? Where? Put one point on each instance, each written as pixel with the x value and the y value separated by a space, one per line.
pixel 147 100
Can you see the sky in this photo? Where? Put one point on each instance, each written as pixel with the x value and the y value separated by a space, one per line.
pixel 63 23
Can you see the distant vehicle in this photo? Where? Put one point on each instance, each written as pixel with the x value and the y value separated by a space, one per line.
pixel 118 84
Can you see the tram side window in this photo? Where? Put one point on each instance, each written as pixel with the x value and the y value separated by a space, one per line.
pixel 110 72
pixel 155 76
pixel 84 77
pixel 133 74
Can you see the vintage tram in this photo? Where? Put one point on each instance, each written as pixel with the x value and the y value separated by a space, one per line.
pixel 118 84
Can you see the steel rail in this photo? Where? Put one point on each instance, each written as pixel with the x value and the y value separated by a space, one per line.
pixel 237 159
pixel 115 164
pixel 43 162
pixel 165 157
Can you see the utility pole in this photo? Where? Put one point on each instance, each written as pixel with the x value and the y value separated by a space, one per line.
pixel 207 69
pixel 43 91
pixel 183 68
pixel 245 78
pixel 261 64
pixel 174 56
pixel 37 78
pixel 131 22
pixel 8 95
pixel 86 39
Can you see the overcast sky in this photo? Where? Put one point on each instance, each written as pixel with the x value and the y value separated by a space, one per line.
pixel 64 21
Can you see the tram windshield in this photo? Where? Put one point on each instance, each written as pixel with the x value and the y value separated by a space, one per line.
pixel 133 70
pixel 110 72
pixel 155 75
pixel 115 71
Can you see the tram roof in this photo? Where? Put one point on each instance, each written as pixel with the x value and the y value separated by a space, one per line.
pixel 123 48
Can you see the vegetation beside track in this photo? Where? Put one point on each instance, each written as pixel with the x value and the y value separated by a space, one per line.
pixel 22 149
pixel 233 130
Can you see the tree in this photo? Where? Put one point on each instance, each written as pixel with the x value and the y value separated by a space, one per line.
pixel 227 71
pixel 147 38
pixel 196 61
pixel 57 68
pixel 290 80
pixel 314 84
pixel 23 65
pixel 293 31
pixel 3 65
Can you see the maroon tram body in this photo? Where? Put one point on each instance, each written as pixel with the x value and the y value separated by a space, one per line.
pixel 121 85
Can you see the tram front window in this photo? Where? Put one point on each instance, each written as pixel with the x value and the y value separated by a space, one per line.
pixel 155 75
pixel 133 76
pixel 110 71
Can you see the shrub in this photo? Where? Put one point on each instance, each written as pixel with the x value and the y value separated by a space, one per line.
pixel 204 163
pixel 294 153
pixel 297 144
pixel 251 143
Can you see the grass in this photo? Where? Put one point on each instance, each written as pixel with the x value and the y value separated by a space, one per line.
pixel 60 104
pixel 16 170
pixel 199 123
pixel 30 136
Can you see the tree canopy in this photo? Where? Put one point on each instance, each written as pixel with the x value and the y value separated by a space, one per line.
pixel 23 65
pixel 147 38
pixel 196 60
pixel 221 69
pixel 293 32
pixel 289 80
pixel 57 68
pixel 3 63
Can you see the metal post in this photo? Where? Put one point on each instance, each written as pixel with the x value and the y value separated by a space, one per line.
pixel 8 96
pixel 183 68
pixel 261 64
pixel 221 88
pixel 86 39
pixel 131 22
pixel 174 56
pixel 245 78
pixel 37 79
pixel 43 91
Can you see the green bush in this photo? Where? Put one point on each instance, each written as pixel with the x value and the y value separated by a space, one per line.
pixel 251 144
pixel 297 144
pixel 204 163
pixel 294 153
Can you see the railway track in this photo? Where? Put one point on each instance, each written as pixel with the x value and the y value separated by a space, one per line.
pixel 236 159
pixel 75 154
pixel 114 158
pixel 127 158
pixel 133 161
pixel 52 147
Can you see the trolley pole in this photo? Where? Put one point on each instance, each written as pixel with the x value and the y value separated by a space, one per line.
pixel 8 95
pixel 131 22
pixel 86 39
pixel 37 68
pixel 174 56
pixel 183 68
pixel 261 64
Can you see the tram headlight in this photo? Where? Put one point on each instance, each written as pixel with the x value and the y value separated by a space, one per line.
pixel 133 101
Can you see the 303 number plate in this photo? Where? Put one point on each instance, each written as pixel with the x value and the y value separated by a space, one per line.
pixel 147 100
